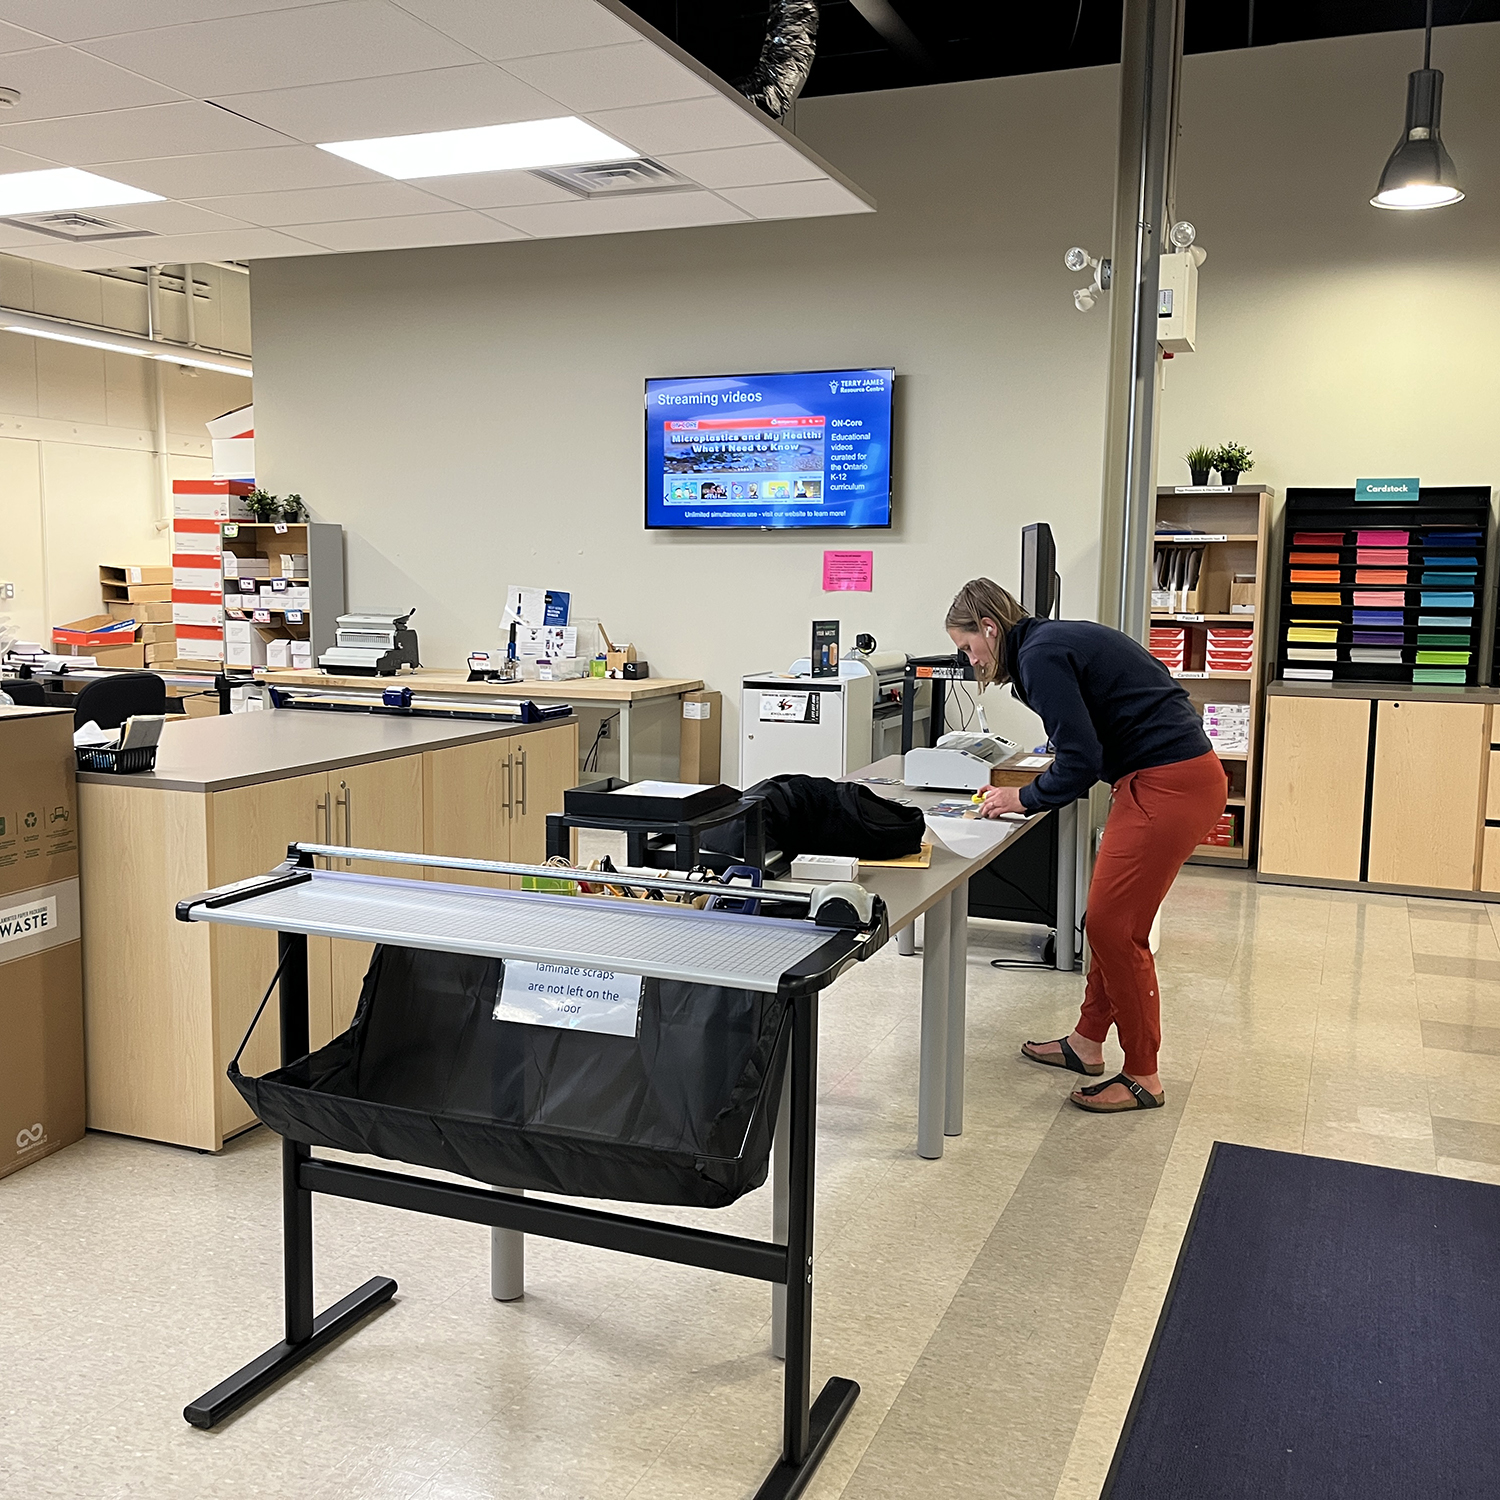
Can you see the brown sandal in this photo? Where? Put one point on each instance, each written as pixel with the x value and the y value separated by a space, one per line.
pixel 1141 1098
pixel 1067 1058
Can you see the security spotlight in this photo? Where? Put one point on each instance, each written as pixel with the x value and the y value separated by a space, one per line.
pixel 1078 259
pixel 1182 234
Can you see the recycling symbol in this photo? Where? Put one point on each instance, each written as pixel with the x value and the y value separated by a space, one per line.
pixel 31 820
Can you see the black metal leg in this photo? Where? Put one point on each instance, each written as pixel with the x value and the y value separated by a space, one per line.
pixel 305 1334
pixel 807 1430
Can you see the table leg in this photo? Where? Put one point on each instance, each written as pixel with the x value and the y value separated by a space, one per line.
pixel 508 1259
pixel 1067 876
pixel 625 740
pixel 906 940
pixel 932 1071
pixel 781 1196
pixel 958 988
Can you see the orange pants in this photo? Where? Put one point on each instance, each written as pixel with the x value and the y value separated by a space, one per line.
pixel 1158 817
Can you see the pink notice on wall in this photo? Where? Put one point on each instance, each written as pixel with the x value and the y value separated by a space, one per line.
pixel 848 572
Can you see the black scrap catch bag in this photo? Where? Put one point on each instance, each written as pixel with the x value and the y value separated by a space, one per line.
pixel 815 815
pixel 681 1114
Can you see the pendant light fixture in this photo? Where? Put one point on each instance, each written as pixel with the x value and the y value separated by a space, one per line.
pixel 1420 173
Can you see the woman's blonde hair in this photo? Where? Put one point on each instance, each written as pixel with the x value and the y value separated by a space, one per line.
pixel 978 600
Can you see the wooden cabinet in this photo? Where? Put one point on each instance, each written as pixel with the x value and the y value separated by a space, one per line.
pixel 1425 805
pixel 375 806
pixel 1313 787
pixel 1412 814
pixel 167 1003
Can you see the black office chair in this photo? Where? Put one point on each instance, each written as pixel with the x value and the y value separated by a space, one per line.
pixel 24 692
pixel 109 701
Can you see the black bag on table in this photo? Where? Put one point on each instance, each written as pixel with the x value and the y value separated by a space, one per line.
pixel 815 815
pixel 682 1113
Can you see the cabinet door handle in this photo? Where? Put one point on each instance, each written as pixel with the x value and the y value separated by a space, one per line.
pixel 322 819
pixel 343 801
pixel 522 755
pixel 510 784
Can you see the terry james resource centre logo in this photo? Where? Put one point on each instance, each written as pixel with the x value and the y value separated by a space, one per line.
pixel 29 1140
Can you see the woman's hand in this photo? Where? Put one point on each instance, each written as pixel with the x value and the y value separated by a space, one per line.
pixel 999 800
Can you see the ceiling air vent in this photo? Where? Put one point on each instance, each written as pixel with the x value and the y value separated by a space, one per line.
pixel 614 179
pixel 74 226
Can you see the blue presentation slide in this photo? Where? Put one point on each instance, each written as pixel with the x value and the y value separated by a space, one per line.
pixel 811 449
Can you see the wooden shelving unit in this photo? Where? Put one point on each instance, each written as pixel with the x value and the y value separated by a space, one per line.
pixel 1233 525
pixel 295 607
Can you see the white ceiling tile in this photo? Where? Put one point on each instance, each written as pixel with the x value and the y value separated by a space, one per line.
pixel 366 200
pixel 404 104
pixel 55 81
pixel 692 125
pixel 496 189
pixel 237 244
pixel 410 233
pixel 622 215
pixel 131 134
pixel 170 218
pixel 519 28
pixel 21 161
pixel 218 172
pixel 13 238
pixel 284 48
pixel 610 77
pixel 798 200
pixel 743 166
pixel 76 20
pixel 14 39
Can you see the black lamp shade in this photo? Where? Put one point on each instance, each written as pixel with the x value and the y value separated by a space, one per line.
pixel 1420 173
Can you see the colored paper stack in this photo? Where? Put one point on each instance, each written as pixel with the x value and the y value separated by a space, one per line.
pixel 1169 645
pixel 1226 832
pixel 1231 648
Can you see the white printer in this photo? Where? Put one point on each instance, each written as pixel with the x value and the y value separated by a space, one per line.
pixel 958 762
pixel 373 645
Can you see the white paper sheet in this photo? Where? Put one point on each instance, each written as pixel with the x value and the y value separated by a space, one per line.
pixel 969 837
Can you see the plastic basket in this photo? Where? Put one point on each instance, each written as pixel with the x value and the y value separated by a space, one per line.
pixel 119 762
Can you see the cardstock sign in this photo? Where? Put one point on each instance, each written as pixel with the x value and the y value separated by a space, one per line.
pixel 848 572
pixel 1390 491
pixel 570 997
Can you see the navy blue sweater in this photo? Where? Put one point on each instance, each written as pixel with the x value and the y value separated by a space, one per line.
pixel 1109 706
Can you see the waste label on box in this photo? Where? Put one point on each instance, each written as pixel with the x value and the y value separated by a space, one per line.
pixel 570 997
pixel 17 922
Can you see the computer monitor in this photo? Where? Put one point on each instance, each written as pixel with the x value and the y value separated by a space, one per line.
pixel 1039 580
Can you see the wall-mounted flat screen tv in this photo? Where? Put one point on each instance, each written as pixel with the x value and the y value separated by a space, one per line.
pixel 778 452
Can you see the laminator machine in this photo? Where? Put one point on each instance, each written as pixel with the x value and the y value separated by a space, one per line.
pixel 680 1110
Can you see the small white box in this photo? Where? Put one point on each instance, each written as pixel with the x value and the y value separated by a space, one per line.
pixel 294 565
pixel 301 654
pixel 278 653
pixel 238 632
pixel 234 458
pixel 825 867
pixel 251 653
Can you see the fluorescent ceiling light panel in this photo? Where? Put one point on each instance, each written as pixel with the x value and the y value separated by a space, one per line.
pixel 199 362
pixel 564 142
pixel 64 187
pixel 70 338
pixel 38 327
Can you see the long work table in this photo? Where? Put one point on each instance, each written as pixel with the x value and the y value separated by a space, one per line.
pixel 643 753
pixel 940 893
pixel 166 1004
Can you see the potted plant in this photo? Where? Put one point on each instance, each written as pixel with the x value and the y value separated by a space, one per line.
pixel 1232 460
pixel 263 506
pixel 292 508
pixel 1199 461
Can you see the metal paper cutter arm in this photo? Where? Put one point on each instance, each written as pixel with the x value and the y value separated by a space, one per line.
pixel 797 957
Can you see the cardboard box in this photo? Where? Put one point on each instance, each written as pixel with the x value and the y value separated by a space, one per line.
pixel 131 653
pixel 699 740
pixel 1010 772
pixel 234 458
pixel 80 636
pixel 153 612
pixel 160 653
pixel 278 653
pixel 201 706
pixel 617 656
pixel 1243 597
pixel 158 634
pixel 125 574
pixel 41 973
pixel 136 593
pixel 206 499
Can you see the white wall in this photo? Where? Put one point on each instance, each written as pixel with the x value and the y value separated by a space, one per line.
pixel 78 478
pixel 472 415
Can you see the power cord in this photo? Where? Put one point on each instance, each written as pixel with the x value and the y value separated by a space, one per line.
pixel 591 760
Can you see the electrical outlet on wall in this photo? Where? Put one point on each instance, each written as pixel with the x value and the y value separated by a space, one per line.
pixel 7 591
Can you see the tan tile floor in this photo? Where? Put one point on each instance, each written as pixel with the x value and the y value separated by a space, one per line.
pixel 995 1306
